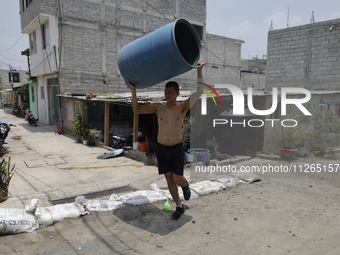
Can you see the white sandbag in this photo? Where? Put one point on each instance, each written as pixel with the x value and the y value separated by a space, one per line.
pixel 48 215
pixel 167 194
pixel 114 197
pixel 102 205
pixel 13 221
pixel 142 197
pixel 206 187
pixel 33 206
pixel 99 205
pixel 228 181
pixel 247 177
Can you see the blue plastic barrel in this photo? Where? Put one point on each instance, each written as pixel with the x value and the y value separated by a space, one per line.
pixel 160 55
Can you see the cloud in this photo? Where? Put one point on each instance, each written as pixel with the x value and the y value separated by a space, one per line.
pixel 238 30
pixel 280 20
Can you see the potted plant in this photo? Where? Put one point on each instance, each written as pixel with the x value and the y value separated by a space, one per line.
pixel 90 140
pixel 287 152
pixel 6 174
pixel 296 138
pixel 326 130
pixel 79 129
pixel 300 137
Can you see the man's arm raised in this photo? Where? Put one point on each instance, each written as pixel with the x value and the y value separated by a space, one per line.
pixel 196 95
pixel 139 109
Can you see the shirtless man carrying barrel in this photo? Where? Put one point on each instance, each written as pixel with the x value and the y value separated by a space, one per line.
pixel 170 151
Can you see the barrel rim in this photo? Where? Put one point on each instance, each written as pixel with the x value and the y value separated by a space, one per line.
pixel 196 35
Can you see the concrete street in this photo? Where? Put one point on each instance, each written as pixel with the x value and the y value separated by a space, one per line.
pixel 51 167
pixel 284 213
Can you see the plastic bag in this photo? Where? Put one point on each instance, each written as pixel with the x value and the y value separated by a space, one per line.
pixel 13 221
pixel 142 197
pixel 167 194
pixel 206 187
pixel 48 215
pixel 33 206
pixel 99 205
pixel 229 181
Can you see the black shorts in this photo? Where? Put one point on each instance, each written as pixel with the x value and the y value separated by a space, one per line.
pixel 170 158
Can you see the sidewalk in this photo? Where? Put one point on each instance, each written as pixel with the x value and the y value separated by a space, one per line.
pixel 54 167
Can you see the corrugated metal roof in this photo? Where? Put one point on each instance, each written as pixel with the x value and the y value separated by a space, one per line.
pixel 152 97
pixel 142 97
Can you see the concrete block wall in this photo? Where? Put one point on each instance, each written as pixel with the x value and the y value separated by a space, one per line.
pixel 93 32
pixel 305 56
pixel 253 80
pixel 223 60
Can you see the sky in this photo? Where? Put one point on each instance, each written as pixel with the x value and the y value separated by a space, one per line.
pixel 247 20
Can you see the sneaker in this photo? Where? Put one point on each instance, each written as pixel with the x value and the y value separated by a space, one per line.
pixel 178 212
pixel 186 191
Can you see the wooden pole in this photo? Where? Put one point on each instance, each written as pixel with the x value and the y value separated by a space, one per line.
pixel 107 124
pixel 135 127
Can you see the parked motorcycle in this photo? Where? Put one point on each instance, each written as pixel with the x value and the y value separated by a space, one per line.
pixel 4 130
pixel 122 142
pixel 125 141
pixel 30 118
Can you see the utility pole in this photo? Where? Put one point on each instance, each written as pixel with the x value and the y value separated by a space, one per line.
pixel 271 26
pixel 27 53
pixel 10 69
pixel 288 17
pixel 312 20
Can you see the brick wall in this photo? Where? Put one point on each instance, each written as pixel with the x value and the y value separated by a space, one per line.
pixel 305 56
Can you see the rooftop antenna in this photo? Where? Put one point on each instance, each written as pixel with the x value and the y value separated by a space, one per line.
pixel 271 26
pixel 288 17
pixel 312 20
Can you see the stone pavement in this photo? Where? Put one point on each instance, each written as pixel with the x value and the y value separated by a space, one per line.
pixel 54 167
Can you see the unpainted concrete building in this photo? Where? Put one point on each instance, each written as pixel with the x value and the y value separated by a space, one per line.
pixel 74 46
pixel 305 56
pixel 5 81
pixel 308 57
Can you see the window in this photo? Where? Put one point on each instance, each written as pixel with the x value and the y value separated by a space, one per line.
pixel 46 34
pixel 33 96
pixel 33 43
pixel 330 113
pixel 42 92
pixel 25 4
pixel 117 112
pixel 77 108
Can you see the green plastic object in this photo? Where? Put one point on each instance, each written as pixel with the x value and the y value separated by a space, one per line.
pixel 167 206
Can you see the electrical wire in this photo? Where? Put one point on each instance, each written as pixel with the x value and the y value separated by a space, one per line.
pixel 235 70
pixel 48 60
pixel 42 61
pixel 13 44
pixel 12 59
